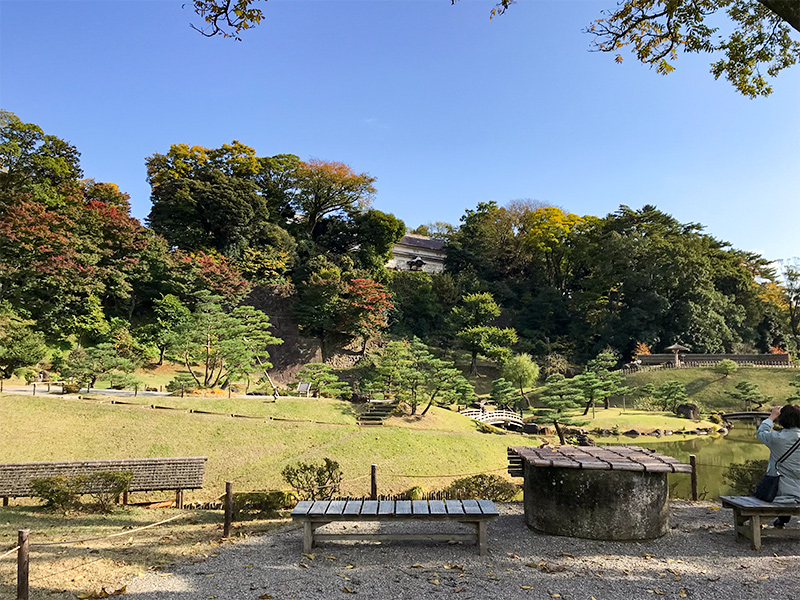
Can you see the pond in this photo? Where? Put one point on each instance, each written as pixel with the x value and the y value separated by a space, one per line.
pixel 714 455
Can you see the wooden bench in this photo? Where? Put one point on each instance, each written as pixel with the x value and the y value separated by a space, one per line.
pixel 747 518
pixel 475 513
pixel 149 474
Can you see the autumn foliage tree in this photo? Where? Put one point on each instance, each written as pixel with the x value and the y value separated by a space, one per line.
pixel 367 304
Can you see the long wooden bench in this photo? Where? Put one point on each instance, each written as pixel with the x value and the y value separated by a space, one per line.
pixel 747 518
pixel 314 514
pixel 149 474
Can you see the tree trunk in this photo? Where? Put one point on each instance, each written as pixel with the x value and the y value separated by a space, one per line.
pixel 560 433
pixel 589 405
pixel 473 368
pixel 524 397
pixel 161 355
pixel 788 10
pixel 186 362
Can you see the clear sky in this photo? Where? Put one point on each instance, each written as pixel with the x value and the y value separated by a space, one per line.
pixel 443 106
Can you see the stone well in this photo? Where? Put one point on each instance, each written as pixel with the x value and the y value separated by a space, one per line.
pixel 606 493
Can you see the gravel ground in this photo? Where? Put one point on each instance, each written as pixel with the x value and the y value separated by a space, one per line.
pixel 699 558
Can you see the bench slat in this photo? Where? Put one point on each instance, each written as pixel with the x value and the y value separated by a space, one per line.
pixel 471 507
pixel 437 507
pixel 454 507
pixel 335 507
pixel 487 507
pixel 302 507
pixel 353 507
pixel 386 507
pixel 370 507
pixel 403 507
pixel 319 507
pixel 420 507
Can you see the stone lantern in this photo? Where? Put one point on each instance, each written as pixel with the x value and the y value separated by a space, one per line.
pixel 675 348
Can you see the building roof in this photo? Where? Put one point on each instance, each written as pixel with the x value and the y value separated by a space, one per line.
pixel 420 241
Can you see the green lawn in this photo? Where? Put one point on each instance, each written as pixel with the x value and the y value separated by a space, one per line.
pixel 251 453
pixel 711 390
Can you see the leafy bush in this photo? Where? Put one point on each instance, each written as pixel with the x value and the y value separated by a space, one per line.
pixel 63 493
pixel 106 486
pixel 315 482
pixel 726 367
pixel 482 487
pixel 181 381
pixel 59 492
pixel 715 418
pixel 743 477
pixel 486 428
pixel 416 493
pixel 25 373
pixel 263 503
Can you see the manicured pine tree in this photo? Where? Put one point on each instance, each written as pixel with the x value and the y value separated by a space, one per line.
pixel 559 397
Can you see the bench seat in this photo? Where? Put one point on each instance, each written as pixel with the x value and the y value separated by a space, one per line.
pixel 747 518
pixel 314 514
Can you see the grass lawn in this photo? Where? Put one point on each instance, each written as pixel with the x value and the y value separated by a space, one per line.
pixel 711 390
pixel 251 453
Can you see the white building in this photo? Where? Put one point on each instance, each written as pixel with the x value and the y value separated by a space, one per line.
pixel 417 253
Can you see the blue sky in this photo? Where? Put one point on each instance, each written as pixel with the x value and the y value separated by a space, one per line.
pixel 445 107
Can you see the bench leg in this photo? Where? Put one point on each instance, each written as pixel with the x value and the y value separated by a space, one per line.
pixel 482 550
pixel 755 531
pixel 738 523
pixel 178 498
pixel 308 537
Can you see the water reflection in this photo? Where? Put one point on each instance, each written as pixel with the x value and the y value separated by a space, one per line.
pixel 714 455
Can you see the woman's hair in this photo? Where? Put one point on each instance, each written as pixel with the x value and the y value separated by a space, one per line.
pixel 789 417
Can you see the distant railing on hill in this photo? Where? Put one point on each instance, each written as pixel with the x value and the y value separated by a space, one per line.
pixel 628 369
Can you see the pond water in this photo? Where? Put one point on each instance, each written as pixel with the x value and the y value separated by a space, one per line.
pixel 714 455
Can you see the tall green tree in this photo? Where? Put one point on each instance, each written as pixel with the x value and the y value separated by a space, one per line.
pixel 225 345
pixel 522 371
pixel 325 188
pixel 20 344
pixel 471 321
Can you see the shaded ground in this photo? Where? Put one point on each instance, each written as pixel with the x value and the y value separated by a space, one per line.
pixel 697 559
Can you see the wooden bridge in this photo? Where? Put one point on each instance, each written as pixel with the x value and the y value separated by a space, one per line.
pixel 494 417
pixel 745 415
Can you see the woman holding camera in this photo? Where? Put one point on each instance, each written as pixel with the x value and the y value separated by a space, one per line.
pixel 780 442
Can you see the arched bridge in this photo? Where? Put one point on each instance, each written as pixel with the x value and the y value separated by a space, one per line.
pixel 494 417
pixel 745 415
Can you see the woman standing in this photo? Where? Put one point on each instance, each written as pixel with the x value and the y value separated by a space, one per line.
pixel 779 442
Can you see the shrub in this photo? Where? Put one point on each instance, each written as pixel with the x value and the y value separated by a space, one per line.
pixel 715 418
pixel 106 486
pixel 25 373
pixel 488 487
pixel 121 381
pixel 486 428
pixel 743 477
pixel 416 493
pixel 59 492
pixel 315 482
pixel 181 381
pixel 726 367
pixel 263 503
pixel 72 388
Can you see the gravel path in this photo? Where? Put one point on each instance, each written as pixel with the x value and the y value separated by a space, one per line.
pixel 699 558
